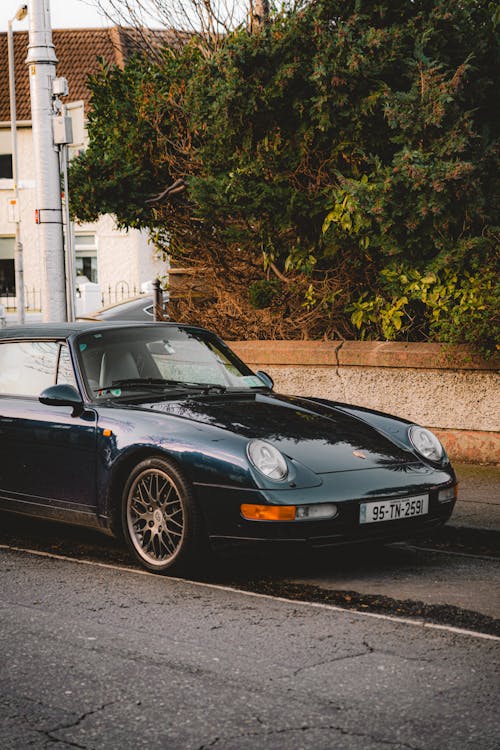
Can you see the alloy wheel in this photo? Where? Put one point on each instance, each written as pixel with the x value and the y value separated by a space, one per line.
pixel 155 517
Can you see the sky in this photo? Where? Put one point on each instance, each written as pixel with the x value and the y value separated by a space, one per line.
pixel 65 14
pixel 70 14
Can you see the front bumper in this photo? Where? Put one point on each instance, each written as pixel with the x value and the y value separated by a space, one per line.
pixel 224 522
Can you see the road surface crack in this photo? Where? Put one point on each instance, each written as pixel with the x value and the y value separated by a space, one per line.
pixel 49 733
pixel 307 728
pixel 333 660
pixel 210 744
pixel 388 652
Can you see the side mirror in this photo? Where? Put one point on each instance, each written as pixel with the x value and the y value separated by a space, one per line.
pixel 62 395
pixel 266 379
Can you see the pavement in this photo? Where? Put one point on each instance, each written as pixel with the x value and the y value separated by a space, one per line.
pixel 478 504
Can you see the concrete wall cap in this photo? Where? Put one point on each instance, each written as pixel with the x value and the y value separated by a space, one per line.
pixel 363 354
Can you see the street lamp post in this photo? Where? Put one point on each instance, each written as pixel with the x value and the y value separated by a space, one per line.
pixel 18 258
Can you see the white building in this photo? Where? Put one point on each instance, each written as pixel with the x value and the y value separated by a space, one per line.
pixel 120 262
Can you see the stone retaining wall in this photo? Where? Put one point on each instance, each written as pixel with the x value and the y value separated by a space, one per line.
pixel 446 388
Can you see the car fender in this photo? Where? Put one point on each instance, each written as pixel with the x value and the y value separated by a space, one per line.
pixel 395 428
pixel 208 455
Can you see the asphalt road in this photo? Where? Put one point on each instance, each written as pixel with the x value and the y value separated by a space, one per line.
pixel 451 578
pixel 102 657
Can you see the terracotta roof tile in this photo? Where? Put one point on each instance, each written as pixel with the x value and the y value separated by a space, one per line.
pixel 78 52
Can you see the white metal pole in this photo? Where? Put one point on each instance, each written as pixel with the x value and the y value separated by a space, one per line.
pixel 42 68
pixel 69 246
pixel 18 257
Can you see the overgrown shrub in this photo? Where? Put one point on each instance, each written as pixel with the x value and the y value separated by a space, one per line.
pixel 348 146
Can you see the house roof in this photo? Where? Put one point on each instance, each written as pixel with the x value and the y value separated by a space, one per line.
pixel 78 52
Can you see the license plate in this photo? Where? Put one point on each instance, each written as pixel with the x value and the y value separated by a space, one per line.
pixel 394 510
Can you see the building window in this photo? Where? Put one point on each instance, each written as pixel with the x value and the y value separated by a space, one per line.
pixel 86 257
pixel 5 166
pixel 5 155
pixel 7 269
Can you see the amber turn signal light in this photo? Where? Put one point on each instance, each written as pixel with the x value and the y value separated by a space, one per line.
pixel 268 512
pixel 449 494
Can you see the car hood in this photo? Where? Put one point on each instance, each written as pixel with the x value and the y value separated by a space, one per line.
pixel 321 437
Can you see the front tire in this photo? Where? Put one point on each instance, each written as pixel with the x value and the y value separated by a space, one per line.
pixel 160 519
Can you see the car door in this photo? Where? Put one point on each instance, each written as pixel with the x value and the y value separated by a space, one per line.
pixel 48 456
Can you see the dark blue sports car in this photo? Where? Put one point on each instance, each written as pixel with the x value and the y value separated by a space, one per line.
pixel 160 434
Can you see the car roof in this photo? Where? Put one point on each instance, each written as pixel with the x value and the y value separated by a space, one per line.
pixel 66 330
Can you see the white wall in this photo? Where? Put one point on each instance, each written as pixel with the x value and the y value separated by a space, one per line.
pixel 32 262
pixel 121 256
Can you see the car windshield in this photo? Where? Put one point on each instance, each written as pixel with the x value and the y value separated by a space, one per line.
pixel 162 358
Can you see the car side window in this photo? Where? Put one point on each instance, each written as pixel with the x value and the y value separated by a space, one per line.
pixel 27 367
pixel 65 372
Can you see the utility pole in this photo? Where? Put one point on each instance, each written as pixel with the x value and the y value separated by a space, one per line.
pixel 18 256
pixel 42 61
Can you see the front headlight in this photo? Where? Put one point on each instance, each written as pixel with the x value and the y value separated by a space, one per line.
pixel 267 459
pixel 425 443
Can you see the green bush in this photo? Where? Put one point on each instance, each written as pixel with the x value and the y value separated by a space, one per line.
pixel 443 306
pixel 262 293
pixel 346 147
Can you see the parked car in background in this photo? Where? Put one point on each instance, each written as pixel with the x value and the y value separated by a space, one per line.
pixel 160 434
pixel 140 308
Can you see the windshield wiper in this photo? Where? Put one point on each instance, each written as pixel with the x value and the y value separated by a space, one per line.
pixel 133 383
